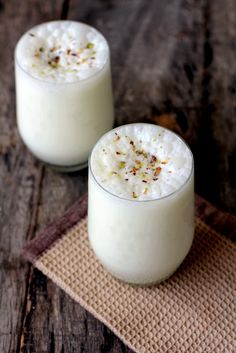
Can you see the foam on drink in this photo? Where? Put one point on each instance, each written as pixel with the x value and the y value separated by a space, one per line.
pixel 142 162
pixel 62 51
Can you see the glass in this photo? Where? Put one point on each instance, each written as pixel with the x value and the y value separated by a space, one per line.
pixel 140 241
pixel 61 121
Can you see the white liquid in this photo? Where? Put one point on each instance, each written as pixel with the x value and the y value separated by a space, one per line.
pixel 141 237
pixel 63 86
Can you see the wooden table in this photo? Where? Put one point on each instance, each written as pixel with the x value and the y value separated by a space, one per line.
pixel 173 63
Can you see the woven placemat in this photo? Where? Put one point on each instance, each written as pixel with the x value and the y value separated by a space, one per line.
pixel 193 311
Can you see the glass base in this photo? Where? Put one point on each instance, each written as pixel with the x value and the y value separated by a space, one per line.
pixel 148 283
pixel 67 169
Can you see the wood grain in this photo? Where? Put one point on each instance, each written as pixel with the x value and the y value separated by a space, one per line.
pixel 173 63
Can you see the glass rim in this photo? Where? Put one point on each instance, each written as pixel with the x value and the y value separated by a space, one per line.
pixel 147 200
pixel 61 83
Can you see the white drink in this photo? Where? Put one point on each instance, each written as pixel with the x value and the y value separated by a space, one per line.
pixel 63 89
pixel 141 202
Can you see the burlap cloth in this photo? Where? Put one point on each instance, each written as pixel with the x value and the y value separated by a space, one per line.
pixel 193 311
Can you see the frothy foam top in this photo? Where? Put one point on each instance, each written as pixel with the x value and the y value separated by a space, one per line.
pixel 141 162
pixel 62 51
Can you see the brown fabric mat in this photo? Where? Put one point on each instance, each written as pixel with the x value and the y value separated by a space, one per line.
pixel 193 311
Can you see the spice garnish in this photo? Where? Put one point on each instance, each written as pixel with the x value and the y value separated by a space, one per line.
pixel 141 152
pixel 153 159
pixel 134 170
pixel 89 45
pixel 122 165
pixel 70 59
pixel 132 144
pixel 143 165
pixel 117 136
pixel 53 64
pixel 157 171
pixel 56 59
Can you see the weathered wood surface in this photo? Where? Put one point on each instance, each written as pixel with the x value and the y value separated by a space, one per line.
pixel 173 64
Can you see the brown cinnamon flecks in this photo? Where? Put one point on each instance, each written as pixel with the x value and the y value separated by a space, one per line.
pixel 134 170
pixel 132 144
pixel 117 137
pixel 56 59
pixel 157 171
pixel 153 159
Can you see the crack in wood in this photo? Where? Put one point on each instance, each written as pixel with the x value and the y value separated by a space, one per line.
pixel 65 9
pixel 31 230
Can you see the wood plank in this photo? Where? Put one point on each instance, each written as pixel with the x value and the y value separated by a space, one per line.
pixel 173 63
pixel 20 177
pixel 222 99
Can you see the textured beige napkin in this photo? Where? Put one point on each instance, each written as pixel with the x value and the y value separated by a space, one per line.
pixel 193 311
